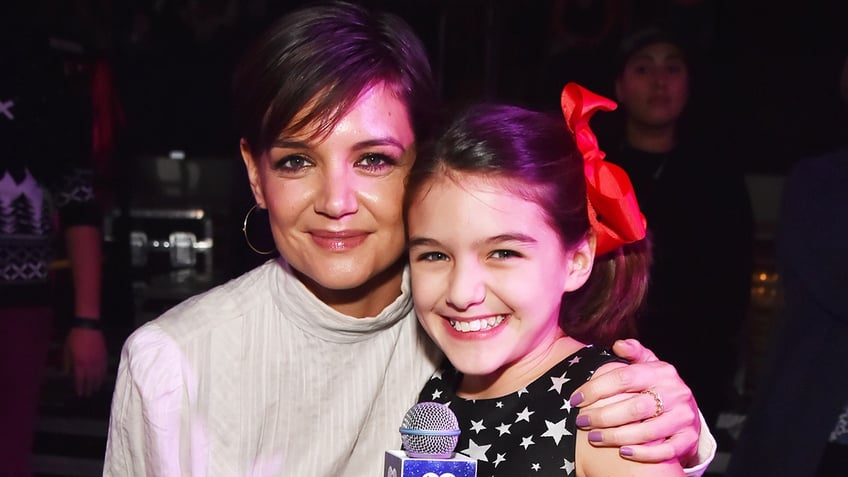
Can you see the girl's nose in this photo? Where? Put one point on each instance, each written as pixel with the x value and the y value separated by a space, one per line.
pixel 467 286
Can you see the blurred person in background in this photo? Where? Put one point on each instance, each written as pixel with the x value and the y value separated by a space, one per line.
pixel 692 192
pixel 47 205
pixel 798 420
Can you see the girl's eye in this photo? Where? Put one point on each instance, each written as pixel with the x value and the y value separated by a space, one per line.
pixel 375 161
pixel 503 254
pixel 431 257
pixel 293 162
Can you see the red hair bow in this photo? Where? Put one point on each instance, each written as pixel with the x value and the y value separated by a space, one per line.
pixel 613 210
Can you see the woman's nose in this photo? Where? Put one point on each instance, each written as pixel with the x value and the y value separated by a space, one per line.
pixel 338 196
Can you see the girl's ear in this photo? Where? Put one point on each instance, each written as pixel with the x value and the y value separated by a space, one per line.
pixel 580 261
pixel 252 165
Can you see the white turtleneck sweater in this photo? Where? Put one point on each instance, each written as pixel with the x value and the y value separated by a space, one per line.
pixel 259 378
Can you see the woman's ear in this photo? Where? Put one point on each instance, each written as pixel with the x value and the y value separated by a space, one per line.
pixel 581 258
pixel 251 163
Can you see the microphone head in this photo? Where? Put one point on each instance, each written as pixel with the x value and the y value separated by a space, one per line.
pixel 429 430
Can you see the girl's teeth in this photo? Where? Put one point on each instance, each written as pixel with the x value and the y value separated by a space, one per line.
pixel 477 325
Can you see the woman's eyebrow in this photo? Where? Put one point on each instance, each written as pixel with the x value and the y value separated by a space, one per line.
pixel 380 141
pixel 289 144
pixel 368 143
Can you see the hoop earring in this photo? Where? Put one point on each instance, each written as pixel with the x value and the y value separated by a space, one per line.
pixel 247 239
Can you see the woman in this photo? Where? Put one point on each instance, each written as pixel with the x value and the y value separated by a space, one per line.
pixel 307 364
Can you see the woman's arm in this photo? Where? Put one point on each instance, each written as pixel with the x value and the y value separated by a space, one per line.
pixel 146 433
pixel 630 422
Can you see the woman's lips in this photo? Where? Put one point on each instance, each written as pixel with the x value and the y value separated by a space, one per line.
pixel 338 241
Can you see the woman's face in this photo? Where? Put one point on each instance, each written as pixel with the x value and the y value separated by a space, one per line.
pixel 335 202
pixel 654 86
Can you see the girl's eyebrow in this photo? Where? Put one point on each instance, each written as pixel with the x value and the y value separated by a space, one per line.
pixel 421 241
pixel 512 237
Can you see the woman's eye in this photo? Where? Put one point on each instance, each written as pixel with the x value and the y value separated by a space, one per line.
pixel 375 161
pixel 292 163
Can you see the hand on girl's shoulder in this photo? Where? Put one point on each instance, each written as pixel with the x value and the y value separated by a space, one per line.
pixel 594 461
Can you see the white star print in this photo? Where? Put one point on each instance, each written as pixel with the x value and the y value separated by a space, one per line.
pixel 556 430
pixel 436 394
pixel 558 382
pixel 568 466
pixel 536 466
pixel 477 452
pixel 524 415
pixel 499 404
pixel 503 429
pixel 477 426
pixel 574 360
pixel 522 391
pixel 437 374
pixel 526 442
pixel 500 458
pixel 566 404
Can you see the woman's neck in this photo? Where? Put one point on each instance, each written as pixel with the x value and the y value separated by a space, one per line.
pixel 366 300
pixel 520 374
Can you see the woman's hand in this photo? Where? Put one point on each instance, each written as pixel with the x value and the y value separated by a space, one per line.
pixel 633 423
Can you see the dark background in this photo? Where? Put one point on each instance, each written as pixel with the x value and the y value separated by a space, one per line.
pixel 765 87
pixel 767 71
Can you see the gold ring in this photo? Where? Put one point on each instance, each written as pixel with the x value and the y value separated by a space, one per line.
pixel 657 399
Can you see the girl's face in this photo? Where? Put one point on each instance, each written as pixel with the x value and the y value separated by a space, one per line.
pixel 488 274
pixel 335 202
pixel 654 86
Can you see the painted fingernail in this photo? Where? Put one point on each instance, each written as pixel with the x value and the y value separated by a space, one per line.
pixel 626 451
pixel 595 436
pixel 576 399
pixel 582 421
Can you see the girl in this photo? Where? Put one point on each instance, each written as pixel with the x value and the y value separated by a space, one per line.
pixel 514 271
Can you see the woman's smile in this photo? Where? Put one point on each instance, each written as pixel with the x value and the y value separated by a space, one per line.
pixel 338 241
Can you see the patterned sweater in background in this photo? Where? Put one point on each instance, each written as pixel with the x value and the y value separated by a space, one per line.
pixel 46 182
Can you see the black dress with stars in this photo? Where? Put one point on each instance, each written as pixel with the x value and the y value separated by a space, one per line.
pixel 529 432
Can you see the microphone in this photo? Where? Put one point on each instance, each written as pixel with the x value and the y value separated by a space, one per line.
pixel 429 433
